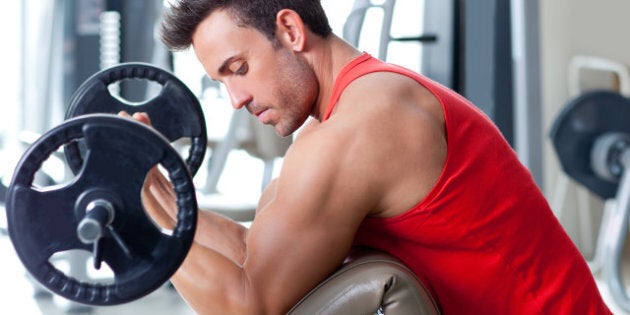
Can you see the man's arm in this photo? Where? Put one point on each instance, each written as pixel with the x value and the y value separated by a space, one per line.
pixel 301 234
pixel 333 176
pixel 214 231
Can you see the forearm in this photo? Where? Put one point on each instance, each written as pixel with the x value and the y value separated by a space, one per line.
pixel 212 227
pixel 223 235
pixel 214 231
pixel 212 284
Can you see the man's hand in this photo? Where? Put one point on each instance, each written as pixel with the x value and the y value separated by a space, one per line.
pixel 141 117
pixel 158 196
pixel 214 232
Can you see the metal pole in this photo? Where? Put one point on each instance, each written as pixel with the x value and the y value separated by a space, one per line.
pixel 616 238
pixel 527 99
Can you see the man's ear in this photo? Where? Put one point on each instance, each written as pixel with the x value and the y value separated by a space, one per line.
pixel 290 29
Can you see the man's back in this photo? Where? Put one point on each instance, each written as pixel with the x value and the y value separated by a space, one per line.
pixel 483 237
pixel 392 126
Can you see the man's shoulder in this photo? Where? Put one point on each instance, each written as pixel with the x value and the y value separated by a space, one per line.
pixel 341 144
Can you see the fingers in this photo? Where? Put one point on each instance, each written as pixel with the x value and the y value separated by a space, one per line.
pixel 161 191
pixel 159 199
pixel 141 117
pixel 157 211
pixel 160 186
pixel 157 194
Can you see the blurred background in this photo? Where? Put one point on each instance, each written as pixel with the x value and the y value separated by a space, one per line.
pixel 520 61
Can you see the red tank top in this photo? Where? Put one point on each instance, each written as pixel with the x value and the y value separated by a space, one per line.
pixel 484 240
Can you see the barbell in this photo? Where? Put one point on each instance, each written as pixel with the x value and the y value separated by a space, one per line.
pixel 101 210
pixel 175 112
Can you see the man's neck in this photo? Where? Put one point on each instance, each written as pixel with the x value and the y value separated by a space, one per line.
pixel 334 53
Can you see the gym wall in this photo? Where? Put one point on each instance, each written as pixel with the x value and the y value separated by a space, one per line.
pixel 569 28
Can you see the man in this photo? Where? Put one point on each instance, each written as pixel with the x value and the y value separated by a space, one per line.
pixel 390 160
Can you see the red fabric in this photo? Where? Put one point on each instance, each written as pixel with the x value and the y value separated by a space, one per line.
pixel 484 240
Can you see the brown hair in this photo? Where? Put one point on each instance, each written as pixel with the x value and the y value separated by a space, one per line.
pixel 182 18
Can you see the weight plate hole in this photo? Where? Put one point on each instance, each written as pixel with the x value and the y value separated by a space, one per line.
pixel 79 264
pixel 135 91
pixel 53 172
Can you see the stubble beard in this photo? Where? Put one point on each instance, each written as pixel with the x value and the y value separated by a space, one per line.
pixel 296 95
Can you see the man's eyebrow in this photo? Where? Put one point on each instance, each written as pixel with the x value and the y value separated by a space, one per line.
pixel 225 64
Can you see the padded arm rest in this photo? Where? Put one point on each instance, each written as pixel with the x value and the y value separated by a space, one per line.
pixel 370 282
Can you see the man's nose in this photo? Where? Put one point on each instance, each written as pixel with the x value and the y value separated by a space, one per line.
pixel 238 96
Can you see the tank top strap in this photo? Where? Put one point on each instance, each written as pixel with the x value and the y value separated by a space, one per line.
pixel 347 74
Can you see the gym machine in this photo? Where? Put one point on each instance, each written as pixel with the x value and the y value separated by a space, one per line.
pixel 591 137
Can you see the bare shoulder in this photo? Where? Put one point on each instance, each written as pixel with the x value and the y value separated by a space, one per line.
pixel 398 126
pixel 375 156
pixel 384 147
pixel 392 92
pixel 324 159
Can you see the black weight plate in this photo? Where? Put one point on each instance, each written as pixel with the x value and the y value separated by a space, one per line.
pixel 120 152
pixel 574 131
pixel 175 112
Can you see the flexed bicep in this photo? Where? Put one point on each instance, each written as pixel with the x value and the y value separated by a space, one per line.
pixel 307 229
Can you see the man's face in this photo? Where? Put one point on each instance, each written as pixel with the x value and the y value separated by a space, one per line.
pixel 274 84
